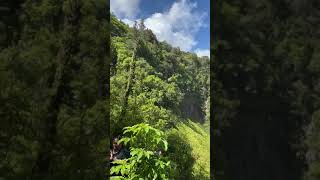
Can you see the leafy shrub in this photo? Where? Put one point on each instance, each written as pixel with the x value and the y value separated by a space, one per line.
pixel 146 162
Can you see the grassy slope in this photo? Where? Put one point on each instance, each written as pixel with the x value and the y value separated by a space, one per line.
pixel 199 140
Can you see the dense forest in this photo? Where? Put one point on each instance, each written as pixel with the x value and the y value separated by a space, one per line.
pixel 158 87
pixel 265 88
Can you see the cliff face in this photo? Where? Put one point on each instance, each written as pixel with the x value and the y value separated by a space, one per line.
pixel 192 108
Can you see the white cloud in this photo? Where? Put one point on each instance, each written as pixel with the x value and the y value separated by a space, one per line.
pixel 125 8
pixel 128 21
pixel 202 52
pixel 178 25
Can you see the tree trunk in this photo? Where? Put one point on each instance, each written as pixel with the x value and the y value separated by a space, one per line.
pixel 129 87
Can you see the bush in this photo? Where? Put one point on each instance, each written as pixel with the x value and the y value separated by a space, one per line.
pixel 146 162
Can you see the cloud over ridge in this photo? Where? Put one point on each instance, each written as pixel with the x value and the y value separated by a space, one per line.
pixel 177 26
pixel 125 8
pixel 202 52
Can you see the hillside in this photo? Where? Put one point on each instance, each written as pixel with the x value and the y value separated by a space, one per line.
pixel 154 83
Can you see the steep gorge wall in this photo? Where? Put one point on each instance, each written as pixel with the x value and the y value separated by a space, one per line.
pixel 191 108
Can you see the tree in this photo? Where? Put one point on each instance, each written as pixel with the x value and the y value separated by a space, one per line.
pixel 147 145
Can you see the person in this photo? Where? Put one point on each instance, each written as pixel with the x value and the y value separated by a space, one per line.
pixel 118 151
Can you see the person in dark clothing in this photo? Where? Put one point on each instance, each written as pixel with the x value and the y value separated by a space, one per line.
pixel 118 151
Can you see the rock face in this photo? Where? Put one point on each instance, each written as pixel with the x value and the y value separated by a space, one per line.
pixel 191 107
pixel 257 144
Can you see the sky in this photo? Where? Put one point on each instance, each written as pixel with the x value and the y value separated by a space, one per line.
pixel 181 23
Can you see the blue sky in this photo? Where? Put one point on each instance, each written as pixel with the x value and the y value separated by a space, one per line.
pixel 182 23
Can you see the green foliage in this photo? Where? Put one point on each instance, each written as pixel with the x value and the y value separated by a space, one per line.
pixel 199 140
pixel 163 78
pixel 180 155
pixel 151 100
pixel 167 86
pixel 144 163
pixel 118 28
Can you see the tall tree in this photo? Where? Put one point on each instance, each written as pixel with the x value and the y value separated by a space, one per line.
pixel 131 74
